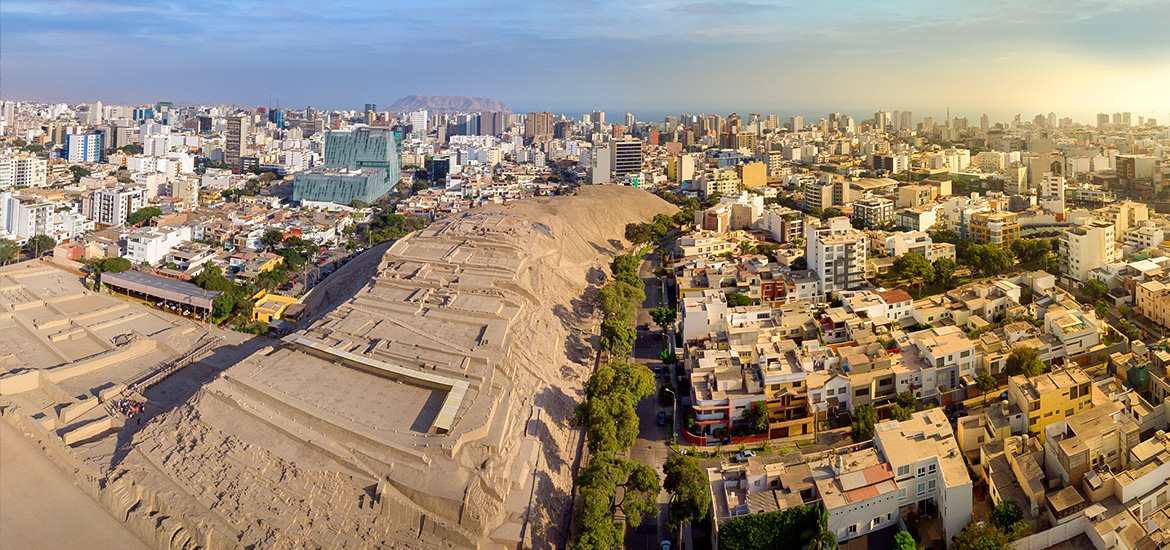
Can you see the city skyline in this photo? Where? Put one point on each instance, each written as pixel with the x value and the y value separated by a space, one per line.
pixel 648 59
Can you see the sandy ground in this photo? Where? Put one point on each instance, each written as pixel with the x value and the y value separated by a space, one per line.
pixel 40 508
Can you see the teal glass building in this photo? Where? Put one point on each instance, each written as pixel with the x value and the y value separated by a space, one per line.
pixel 362 163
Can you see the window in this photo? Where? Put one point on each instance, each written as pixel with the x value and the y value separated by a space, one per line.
pixel 921 471
pixel 853 529
pixel 1069 412
pixel 921 489
pixel 903 470
pixel 864 392
pixel 930 485
pixel 797 385
pixel 1032 421
pixel 902 493
pixel 930 469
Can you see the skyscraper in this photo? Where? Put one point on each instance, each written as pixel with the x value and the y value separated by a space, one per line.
pixel 491 123
pixel 83 147
pixel 627 156
pixel 233 146
pixel 539 126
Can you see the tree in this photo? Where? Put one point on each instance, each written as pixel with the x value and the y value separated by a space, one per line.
pixel 1101 308
pixel 792 528
pixel 638 482
pixel 608 415
pixel 736 299
pixel 595 526
pixel 663 317
pixel 689 488
pixel 8 250
pixel 1025 361
pixel 944 269
pixel 271 238
pixel 624 263
pixel 820 537
pixel 745 248
pixel 757 417
pixel 903 541
pixel 79 172
pixel 639 234
pixel 981 536
pixel 989 259
pixel 1029 250
pixel 799 264
pixel 40 244
pixel 1094 290
pixel 142 215
pixel 986 383
pixel 864 418
pixel 1005 514
pixel 914 266
pixel 619 300
pixel 905 404
pixel 668 357
pixel 617 337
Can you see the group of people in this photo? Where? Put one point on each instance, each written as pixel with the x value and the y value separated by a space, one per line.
pixel 128 407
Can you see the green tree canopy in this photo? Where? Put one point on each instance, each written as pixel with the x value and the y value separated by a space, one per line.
pixel 620 300
pixel 1005 514
pixel 1028 250
pixel 40 244
pixel 617 337
pixel 986 382
pixel 142 215
pixel 903 541
pixel 595 528
pixel 271 238
pixel 1025 361
pixel 736 299
pixel 944 269
pixel 981 536
pixel 608 415
pixel 664 317
pixel 989 259
pixel 757 417
pixel 1095 290
pixel 792 528
pixel 914 267
pixel 8 250
pixel 689 488
pixel 638 482
pixel 639 234
pixel 864 418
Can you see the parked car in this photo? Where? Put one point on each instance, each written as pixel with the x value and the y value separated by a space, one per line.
pixel 664 545
pixel 661 419
pixel 743 455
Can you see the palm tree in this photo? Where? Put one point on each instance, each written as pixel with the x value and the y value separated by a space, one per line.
pixel 822 538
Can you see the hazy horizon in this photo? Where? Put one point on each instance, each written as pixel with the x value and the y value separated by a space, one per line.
pixel 650 59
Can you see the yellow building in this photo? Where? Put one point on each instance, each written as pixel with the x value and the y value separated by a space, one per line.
pixel 1050 397
pixel 270 307
pixel 997 228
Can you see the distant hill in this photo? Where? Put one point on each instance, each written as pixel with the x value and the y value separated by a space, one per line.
pixel 448 104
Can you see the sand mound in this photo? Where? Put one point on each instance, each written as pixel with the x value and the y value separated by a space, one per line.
pixel 430 407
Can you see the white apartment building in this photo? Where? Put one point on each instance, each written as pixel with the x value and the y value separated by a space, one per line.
pixel 1085 247
pixel 112 205
pixel 1148 235
pixel 918 242
pixel 928 468
pixel 704 314
pixel 23 171
pixel 150 245
pixel 837 253
pixel 25 217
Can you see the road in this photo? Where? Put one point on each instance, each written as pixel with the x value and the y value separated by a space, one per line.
pixel 650 447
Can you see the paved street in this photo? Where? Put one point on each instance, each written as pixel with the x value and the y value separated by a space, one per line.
pixel 651 446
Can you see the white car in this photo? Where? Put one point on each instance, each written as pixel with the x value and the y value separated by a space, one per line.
pixel 744 455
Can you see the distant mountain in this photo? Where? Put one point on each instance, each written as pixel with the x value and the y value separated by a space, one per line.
pixel 448 104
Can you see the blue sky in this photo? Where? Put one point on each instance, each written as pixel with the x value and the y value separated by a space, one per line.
pixel 649 57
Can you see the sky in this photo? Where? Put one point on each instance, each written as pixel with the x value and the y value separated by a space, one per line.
pixel 648 57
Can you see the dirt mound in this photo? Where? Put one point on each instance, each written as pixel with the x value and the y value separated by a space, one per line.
pixel 430 407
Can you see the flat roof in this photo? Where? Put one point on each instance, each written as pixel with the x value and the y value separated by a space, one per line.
pixel 162 287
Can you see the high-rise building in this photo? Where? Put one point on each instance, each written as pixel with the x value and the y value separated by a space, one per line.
pixel 795 122
pixel 984 122
pixel 539 126
pixel 22 171
pixel 233 146
pixel 113 205
pixel 627 156
pixel 83 148
pixel 491 123
pixel 1102 120
pixel 837 253
pixel 370 107
pixel 276 116
pixel 418 122
pixel 598 117
pixel 1085 247
pixel 24 216
pixel 881 120
pixel 1126 119
pixel 629 120
pixel 363 163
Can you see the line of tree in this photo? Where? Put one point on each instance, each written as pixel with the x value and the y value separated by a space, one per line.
pixel 112 265
pixel 640 234
pixel 610 422
pixel 619 301
pixel 388 226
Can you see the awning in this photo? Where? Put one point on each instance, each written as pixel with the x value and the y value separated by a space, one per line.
pixel 162 287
